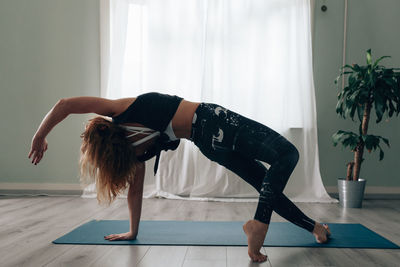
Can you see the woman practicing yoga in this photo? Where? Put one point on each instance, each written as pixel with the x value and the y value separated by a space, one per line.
pixel 113 153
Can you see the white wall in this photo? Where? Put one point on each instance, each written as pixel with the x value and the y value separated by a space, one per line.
pixel 371 24
pixel 49 49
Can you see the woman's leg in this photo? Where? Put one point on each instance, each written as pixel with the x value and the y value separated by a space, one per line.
pixel 237 143
pixel 253 172
pixel 257 141
pixel 218 130
pixel 241 166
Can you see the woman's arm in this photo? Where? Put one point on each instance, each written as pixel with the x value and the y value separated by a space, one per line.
pixel 135 195
pixel 75 105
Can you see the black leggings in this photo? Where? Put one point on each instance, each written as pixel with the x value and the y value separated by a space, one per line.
pixel 239 144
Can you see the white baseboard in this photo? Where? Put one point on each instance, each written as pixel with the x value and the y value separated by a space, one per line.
pixel 39 189
pixel 371 192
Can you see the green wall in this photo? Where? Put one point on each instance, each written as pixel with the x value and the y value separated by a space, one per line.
pixel 50 49
pixel 370 24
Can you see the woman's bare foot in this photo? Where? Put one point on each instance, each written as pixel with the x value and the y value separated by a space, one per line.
pixel 256 232
pixel 321 232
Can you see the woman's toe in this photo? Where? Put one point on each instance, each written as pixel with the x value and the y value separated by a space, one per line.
pixel 327 230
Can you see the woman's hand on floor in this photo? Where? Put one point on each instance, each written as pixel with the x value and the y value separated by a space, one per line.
pixel 38 147
pixel 123 236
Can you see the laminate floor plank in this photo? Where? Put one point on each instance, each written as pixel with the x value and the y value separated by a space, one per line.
pixel 7 203
pixel 122 256
pixel 36 250
pixel 238 257
pixel 365 257
pixel 29 224
pixel 18 211
pixel 80 255
pixel 203 263
pixel 206 253
pixel 166 256
pixel 36 232
pixel 217 211
pixel 118 210
pixel 330 257
pixel 161 209
pixel 279 256
pixel 26 222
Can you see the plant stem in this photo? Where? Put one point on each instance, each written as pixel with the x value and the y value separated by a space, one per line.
pixel 360 147
pixel 350 166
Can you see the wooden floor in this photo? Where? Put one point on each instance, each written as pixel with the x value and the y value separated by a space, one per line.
pixel 29 224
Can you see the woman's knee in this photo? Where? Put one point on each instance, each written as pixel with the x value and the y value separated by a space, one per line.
pixel 291 155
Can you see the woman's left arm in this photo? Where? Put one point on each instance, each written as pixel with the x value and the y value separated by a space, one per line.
pixel 135 196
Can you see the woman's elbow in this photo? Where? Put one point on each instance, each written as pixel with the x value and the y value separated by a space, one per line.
pixel 61 102
pixel 62 106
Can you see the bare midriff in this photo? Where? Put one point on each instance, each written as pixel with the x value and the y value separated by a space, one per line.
pixel 182 120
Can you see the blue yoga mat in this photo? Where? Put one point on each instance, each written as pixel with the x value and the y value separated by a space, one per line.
pixel 205 233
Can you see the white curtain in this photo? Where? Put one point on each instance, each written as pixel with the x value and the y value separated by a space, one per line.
pixel 253 57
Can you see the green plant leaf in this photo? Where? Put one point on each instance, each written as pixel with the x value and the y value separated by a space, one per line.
pixel 372 142
pixel 380 106
pixel 348 139
pixel 379 59
pixel 385 140
pixel 369 57
pixel 336 137
pixel 369 84
pixel 353 110
pixel 356 68
pixel 391 108
pixel 347 66
pixel 381 154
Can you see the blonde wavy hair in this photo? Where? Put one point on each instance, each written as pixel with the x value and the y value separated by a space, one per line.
pixel 107 158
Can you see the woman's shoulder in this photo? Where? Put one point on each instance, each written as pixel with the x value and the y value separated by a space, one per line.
pixel 122 104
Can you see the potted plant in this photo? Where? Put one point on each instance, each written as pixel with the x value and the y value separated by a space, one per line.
pixel 368 87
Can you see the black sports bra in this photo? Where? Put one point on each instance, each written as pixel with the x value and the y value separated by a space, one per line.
pixel 153 110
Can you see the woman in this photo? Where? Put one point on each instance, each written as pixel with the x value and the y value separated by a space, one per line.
pixel 113 153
